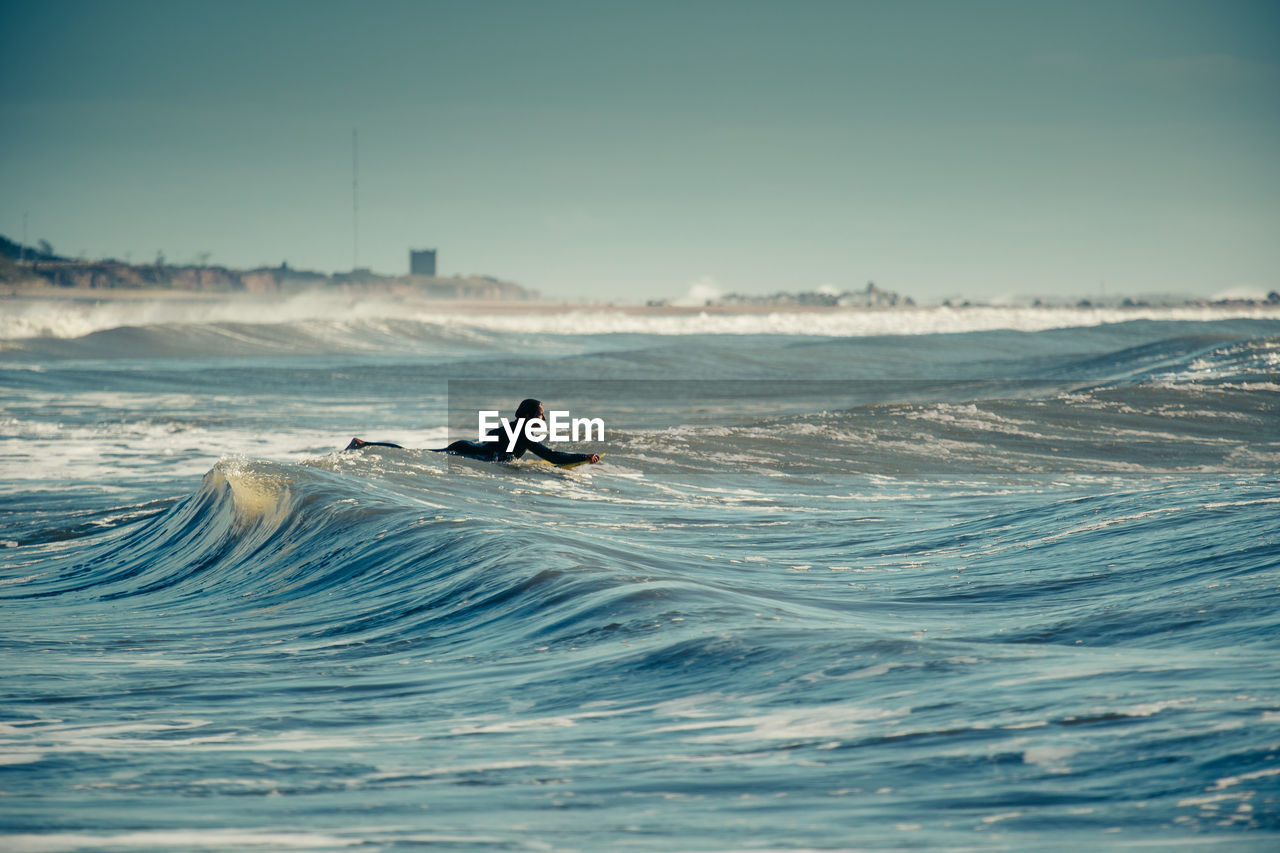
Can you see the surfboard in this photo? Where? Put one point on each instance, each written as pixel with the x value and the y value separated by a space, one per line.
pixel 363 444
pixel 568 464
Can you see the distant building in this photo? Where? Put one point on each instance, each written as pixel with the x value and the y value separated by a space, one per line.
pixel 422 262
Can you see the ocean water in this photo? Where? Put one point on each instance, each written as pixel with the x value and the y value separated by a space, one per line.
pixel 1003 579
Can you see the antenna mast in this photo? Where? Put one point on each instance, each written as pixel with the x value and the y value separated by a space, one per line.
pixel 355 200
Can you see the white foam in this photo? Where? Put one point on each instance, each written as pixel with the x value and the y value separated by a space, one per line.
pixel 198 839
pixel 1208 799
pixel 62 318
pixel 1231 781
pixel 1110 522
pixel 969 416
pixel 492 725
pixel 996 818
pixel 71 318
pixel 1052 759
pixel 855 323
pixel 29 743
pixel 804 723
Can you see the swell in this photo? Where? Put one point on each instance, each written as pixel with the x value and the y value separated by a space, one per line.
pixel 333 560
pixel 383 549
pixel 361 322
pixel 241 339
pixel 1186 402
pixel 938 320
pixel 323 557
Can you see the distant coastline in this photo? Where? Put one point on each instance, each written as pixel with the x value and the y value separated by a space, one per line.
pixel 873 297
pixel 29 271
pixel 38 273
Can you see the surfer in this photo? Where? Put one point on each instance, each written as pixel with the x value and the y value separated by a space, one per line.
pixel 494 450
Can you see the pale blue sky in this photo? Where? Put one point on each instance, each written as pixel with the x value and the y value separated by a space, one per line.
pixel 621 151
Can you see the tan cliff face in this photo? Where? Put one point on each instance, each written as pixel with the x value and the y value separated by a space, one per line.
pixel 25 268
pixel 114 275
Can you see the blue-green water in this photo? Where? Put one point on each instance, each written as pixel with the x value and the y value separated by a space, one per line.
pixel 986 590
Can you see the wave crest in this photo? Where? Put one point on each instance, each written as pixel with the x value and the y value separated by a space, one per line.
pixel 77 318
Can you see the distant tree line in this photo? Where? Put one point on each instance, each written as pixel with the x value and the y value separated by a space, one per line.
pixel 42 251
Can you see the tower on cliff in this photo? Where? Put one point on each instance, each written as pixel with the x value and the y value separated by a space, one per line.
pixel 422 262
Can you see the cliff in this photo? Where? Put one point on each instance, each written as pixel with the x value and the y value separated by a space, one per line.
pixel 41 267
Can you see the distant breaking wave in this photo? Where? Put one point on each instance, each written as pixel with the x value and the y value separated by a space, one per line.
pixel 858 323
pixel 24 319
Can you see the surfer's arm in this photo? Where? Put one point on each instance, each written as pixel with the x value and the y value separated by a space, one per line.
pixel 558 457
pixel 357 443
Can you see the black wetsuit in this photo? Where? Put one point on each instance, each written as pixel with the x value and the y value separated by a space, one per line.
pixel 493 451
pixel 496 451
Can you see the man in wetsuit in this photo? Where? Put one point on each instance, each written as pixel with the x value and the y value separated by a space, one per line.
pixel 495 450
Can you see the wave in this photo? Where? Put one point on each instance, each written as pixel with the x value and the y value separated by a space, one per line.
pixel 28 318
pixel 315 560
pixel 354 555
pixel 759 602
pixel 35 317
pixel 240 340
pixel 1143 396
pixel 839 323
